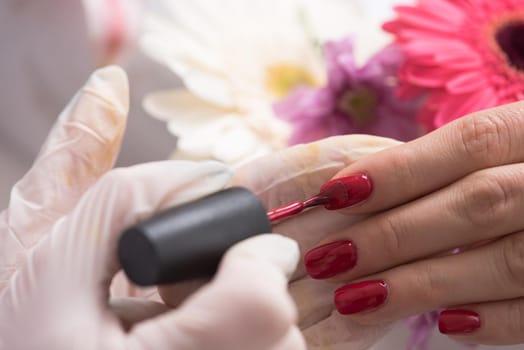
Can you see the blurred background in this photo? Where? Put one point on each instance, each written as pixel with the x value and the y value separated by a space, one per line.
pixel 49 48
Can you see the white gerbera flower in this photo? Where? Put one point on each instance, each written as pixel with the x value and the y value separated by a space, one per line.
pixel 237 57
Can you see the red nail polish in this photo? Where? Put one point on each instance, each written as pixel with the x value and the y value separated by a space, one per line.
pixel 360 296
pixel 330 259
pixel 347 191
pixel 458 321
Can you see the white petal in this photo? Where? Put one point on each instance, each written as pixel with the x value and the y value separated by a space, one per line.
pixel 237 144
pixel 201 141
pixel 334 19
pixel 229 139
pixel 224 51
pixel 184 111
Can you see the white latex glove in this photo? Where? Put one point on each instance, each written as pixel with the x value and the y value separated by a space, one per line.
pixel 58 247
pixel 296 174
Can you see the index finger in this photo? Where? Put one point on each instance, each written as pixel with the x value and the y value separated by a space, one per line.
pixel 82 146
pixel 480 140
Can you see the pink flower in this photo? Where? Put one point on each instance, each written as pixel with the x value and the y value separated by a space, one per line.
pixel 355 99
pixel 464 55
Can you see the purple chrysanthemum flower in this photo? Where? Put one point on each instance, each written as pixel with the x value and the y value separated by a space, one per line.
pixel 355 99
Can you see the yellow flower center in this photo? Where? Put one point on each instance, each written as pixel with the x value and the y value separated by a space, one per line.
pixel 359 105
pixel 282 78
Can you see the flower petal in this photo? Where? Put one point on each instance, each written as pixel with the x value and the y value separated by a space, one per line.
pixel 457 106
pixel 238 143
pixel 182 109
pixel 419 18
pixel 467 82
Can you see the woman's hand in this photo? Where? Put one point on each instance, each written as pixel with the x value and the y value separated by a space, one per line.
pixel 461 186
pixel 58 248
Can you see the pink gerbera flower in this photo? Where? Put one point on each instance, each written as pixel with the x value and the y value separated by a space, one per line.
pixel 465 55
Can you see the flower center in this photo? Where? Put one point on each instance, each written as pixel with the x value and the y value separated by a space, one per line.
pixel 359 105
pixel 510 39
pixel 282 78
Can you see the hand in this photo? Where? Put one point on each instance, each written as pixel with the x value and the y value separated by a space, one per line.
pixel 296 174
pixel 461 186
pixel 58 248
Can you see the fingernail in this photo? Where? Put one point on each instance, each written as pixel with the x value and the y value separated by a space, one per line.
pixel 330 259
pixel 361 296
pixel 347 191
pixel 458 322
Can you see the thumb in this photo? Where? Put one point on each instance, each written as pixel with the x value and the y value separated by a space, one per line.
pixel 246 306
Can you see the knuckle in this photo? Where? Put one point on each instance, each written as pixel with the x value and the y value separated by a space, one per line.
pixel 484 200
pixel 428 285
pixel 481 137
pixel 515 320
pixel 402 160
pixel 391 233
pixel 513 259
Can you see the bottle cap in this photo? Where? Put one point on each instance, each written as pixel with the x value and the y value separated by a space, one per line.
pixel 188 241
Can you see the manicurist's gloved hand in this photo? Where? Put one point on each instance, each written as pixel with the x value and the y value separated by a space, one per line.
pixel 58 248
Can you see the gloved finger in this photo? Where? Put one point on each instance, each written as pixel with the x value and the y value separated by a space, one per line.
pixel 175 294
pixel 121 287
pixel 246 306
pixel 134 310
pixel 298 172
pixel 495 323
pixel 339 333
pixel 293 340
pixel 314 300
pixel 81 147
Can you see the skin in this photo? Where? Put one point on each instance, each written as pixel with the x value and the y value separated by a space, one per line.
pixel 459 186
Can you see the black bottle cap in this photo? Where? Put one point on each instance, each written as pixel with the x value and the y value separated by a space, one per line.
pixel 188 241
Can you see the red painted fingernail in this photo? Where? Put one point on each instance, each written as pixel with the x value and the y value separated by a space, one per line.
pixel 458 321
pixel 347 191
pixel 361 296
pixel 330 259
